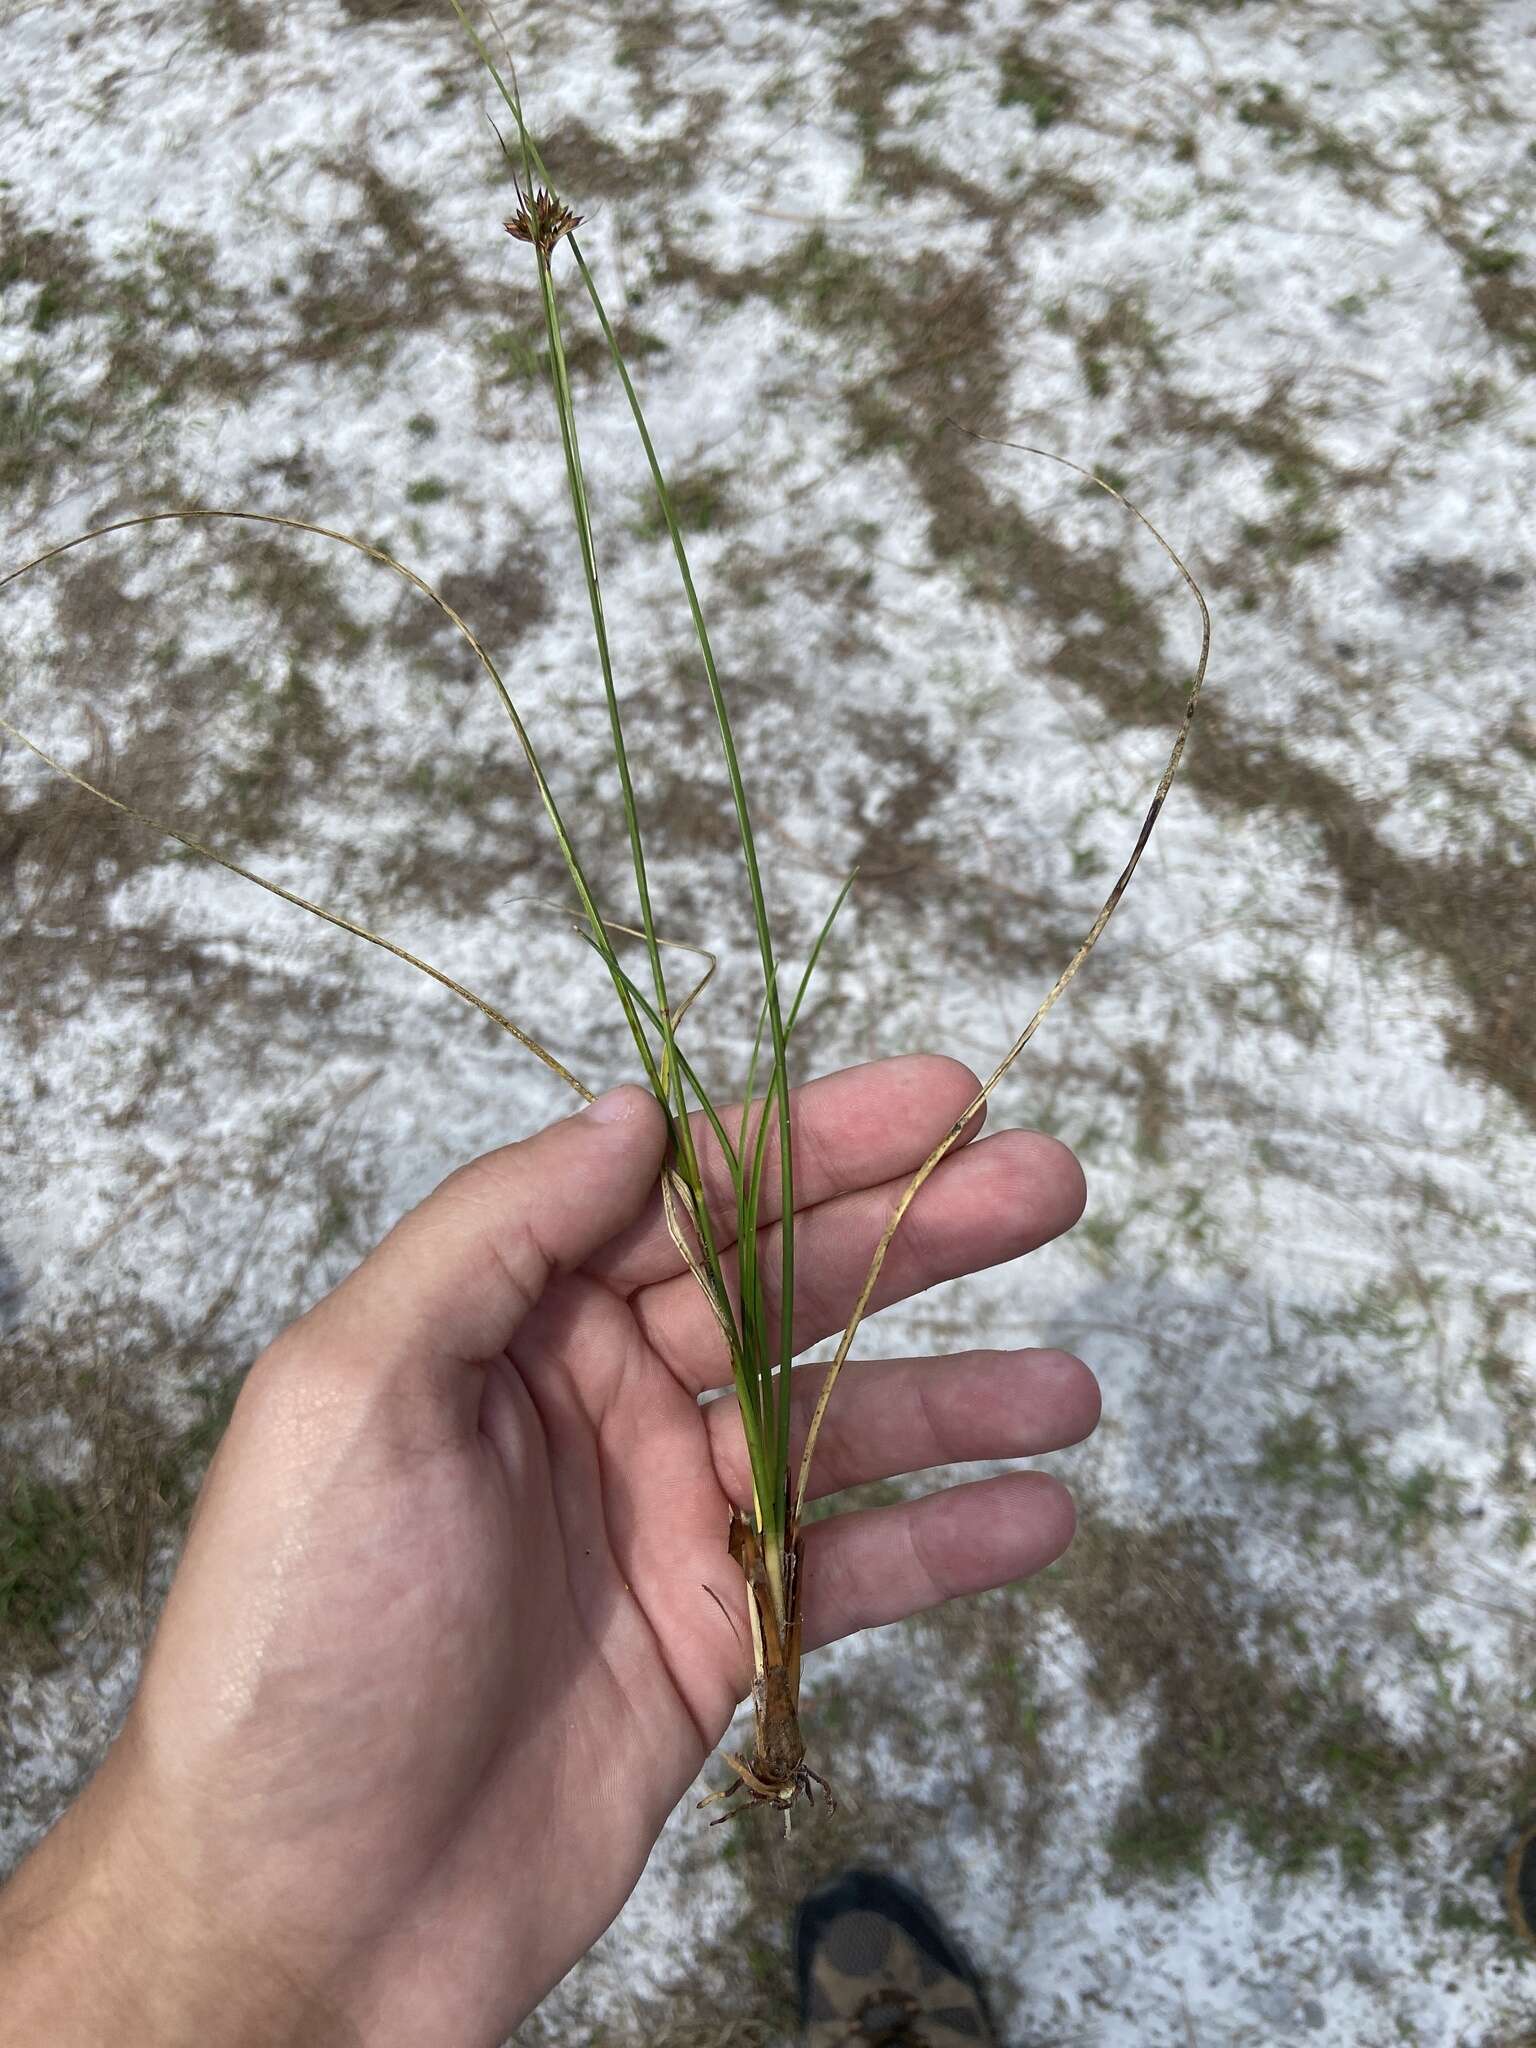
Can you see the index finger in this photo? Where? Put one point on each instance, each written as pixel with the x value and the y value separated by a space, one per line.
pixel 850 1130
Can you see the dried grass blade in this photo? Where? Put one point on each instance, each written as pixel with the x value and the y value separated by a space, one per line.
pixel 1068 974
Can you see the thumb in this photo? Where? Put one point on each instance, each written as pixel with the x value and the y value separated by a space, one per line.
pixel 448 1287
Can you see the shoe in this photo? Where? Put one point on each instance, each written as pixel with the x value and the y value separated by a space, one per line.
pixel 874 1966
pixel 1519 1873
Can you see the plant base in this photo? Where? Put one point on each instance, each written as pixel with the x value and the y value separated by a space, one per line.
pixel 778 1774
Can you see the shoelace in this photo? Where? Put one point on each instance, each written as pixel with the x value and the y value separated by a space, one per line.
pixel 891 2028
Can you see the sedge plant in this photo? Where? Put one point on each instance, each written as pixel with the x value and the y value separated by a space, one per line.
pixel 750 1302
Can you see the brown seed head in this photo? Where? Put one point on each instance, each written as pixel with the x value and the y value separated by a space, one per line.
pixel 541 219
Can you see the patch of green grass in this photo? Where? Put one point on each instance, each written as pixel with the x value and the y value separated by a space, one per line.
pixel 838 288
pixel 426 490
pixel 1488 260
pixel 1101 1233
pixel 188 1457
pixel 1293 544
pixel 73 1552
pixel 38 425
pixel 52 305
pixel 1155 1113
pixel 295 729
pixel 162 325
pixel 1301 1452
pixel 1383 1311
pixel 1120 335
pixel 1024 81
pixel 171 283
pixel 1009 1683
pixel 385 274
pixel 1157 1844
pixel 52 262
pixel 702 500
pixel 1299 532
pixel 175 328
pixel 1456 1916
pixel 1250 1734
pixel 1504 304
pixel 1332 151
pixel 1508 310
pixel 1283 995
pixel 513 357
pixel 286 623
pixel 876 61
pixel 1289 125
pixel 1339 1468
pixel 640 168
pixel 335 1220
pixel 46 1547
pixel 303 597
pixel 421 426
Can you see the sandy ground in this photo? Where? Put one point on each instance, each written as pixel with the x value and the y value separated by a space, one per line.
pixel 1233 1773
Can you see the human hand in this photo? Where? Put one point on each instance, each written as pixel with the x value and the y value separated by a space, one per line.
pixel 441 1654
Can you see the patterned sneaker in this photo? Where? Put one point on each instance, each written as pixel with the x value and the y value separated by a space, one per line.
pixel 875 1967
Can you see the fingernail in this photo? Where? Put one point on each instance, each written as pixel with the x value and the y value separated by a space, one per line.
pixel 616 1107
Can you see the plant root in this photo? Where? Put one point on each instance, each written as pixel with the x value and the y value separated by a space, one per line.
pixel 803 1785
pixel 778 1775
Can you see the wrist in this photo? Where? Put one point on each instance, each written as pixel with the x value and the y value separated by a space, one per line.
pixel 100 1944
